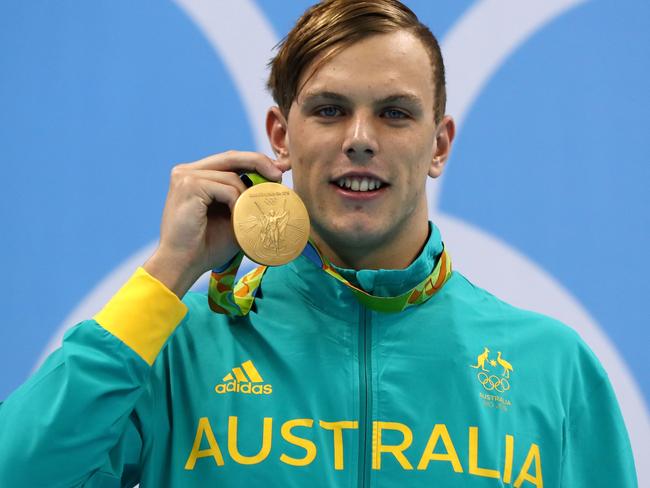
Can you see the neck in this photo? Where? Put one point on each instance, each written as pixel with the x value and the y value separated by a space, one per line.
pixel 391 252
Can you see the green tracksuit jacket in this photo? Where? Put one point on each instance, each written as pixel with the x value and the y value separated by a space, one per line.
pixel 310 389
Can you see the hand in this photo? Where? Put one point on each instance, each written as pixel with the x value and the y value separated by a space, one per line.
pixel 196 233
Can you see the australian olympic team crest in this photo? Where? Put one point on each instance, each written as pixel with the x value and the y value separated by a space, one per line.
pixel 494 376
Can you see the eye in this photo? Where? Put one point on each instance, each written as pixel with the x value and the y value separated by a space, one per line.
pixel 394 113
pixel 329 111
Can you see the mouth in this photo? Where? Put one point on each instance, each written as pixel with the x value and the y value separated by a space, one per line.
pixel 359 184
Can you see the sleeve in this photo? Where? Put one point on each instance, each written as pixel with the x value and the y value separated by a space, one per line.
pixel 73 422
pixel 597 447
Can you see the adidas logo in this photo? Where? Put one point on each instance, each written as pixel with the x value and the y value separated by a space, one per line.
pixel 245 379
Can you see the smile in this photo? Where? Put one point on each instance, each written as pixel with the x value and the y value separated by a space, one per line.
pixel 359 183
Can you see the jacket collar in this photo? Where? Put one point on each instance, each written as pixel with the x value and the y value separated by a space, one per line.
pixel 380 282
pixel 392 282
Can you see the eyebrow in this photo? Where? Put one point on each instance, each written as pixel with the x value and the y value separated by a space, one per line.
pixel 402 98
pixel 323 95
pixel 408 98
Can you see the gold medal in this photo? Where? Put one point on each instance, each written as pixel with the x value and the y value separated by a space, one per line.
pixel 270 223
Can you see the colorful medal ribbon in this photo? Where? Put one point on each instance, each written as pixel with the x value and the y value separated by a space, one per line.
pixel 226 297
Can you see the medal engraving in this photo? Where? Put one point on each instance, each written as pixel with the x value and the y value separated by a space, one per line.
pixel 271 224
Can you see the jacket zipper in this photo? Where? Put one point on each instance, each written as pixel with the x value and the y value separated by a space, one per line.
pixel 365 397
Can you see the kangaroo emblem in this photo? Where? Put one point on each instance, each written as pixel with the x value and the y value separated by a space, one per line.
pixel 480 360
pixel 507 367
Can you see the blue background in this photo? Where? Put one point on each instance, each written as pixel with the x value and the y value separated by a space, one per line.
pixel 98 100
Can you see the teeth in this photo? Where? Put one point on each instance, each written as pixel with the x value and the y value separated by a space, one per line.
pixel 364 185
pixel 359 184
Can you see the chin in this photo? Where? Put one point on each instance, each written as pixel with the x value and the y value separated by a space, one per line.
pixel 355 232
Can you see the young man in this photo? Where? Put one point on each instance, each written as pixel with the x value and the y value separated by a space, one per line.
pixel 364 362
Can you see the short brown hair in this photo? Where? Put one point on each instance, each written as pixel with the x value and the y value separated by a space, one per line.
pixel 332 25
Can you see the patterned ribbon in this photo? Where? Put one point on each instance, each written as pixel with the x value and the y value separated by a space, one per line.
pixel 226 297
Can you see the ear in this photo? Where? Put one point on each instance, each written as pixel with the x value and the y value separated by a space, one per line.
pixel 445 133
pixel 276 130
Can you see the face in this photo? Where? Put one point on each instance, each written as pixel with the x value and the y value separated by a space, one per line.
pixel 361 139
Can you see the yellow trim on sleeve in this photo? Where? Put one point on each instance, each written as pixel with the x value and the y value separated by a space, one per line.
pixel 142 314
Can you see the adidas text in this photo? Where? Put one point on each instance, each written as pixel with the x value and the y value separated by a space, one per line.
pixel 246 388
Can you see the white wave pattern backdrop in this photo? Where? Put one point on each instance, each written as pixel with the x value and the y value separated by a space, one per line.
pixel 476 46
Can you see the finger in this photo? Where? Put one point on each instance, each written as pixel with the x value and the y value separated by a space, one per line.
pixel 219 193
pixel 191 183
pixel 224 177
pixel 239 161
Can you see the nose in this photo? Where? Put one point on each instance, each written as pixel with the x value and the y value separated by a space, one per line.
pixel 360 143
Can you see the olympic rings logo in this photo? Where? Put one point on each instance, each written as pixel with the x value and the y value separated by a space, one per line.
pixel 493 382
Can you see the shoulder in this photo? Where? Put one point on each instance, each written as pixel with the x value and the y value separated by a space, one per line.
pixel 533 334
pixel 478 303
